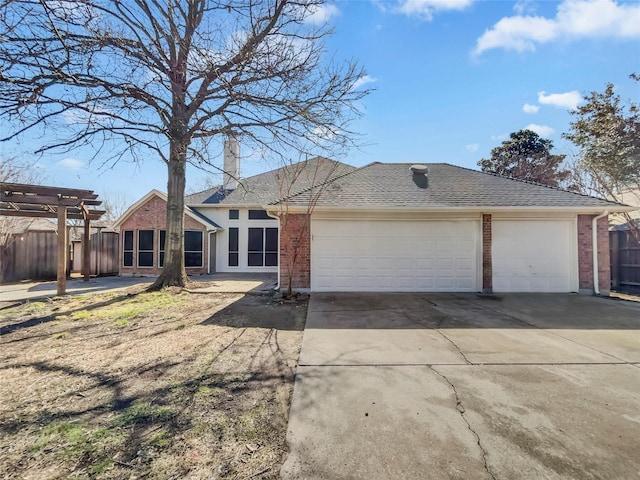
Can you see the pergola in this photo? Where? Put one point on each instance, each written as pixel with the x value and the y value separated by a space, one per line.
pixel 22 200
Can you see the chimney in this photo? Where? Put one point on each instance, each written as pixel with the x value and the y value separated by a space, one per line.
pixel 231 163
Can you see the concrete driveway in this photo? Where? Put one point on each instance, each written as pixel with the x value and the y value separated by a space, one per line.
pixel 422 386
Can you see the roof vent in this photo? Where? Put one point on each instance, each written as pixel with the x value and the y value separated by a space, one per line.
pixel 419 169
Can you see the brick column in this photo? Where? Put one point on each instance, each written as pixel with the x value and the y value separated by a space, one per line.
pixel 295 252
pixel 585 255
pixel 487 267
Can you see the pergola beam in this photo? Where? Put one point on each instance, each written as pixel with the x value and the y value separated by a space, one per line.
pixel 93 214
pixel 45 200
pixel 44 190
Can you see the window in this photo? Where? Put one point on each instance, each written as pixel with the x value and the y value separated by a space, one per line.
pixel 145 248
pixel 127 248
pixel 161 247
pixel 234 214
pixel 192 248
pixel 233 247
pixel 263 247
pixel 259 215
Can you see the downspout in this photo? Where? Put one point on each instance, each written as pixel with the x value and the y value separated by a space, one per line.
pixel 209 233
pixel 594 247
pixel 277 287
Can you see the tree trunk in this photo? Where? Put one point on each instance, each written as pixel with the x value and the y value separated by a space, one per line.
pixel 174 274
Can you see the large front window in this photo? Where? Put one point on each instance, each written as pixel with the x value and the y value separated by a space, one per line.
pixel 263 247
pixel 145 248
pixel 192 248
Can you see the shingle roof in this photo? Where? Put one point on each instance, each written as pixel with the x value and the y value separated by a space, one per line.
pixel 392 185
pixel 269 187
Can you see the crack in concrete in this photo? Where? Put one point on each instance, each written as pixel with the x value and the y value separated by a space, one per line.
pixel 460 408
pixel 455 346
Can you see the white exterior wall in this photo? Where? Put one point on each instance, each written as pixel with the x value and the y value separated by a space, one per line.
pixel 221 217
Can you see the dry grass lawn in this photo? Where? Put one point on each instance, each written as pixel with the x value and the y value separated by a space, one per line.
pixel 139 385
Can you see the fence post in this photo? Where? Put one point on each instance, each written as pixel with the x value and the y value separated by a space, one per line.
pixel 614 247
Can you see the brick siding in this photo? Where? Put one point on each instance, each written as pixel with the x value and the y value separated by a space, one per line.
pixel 295 251
pixel 487 266
pixel 585 254
pixel 152 215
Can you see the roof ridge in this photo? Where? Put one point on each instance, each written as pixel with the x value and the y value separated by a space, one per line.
pixel 355 169
pixel 521 180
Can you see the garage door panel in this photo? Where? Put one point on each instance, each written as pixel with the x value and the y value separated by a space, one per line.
pixel 394 256
pixel 533 255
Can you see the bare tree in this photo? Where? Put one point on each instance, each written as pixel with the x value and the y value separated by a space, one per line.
pixel 145 76
pixel 306 180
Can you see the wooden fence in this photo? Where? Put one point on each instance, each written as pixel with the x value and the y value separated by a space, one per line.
pixel 33 256
pixel 625 261
pixel 29 255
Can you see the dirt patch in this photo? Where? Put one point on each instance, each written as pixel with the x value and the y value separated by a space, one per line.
pixel 147 385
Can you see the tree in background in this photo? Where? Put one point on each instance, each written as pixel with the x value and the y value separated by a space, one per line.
pixel 607 132
pixel 167 77
pixel 527 156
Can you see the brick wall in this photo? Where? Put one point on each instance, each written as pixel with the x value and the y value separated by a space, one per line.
pixel 585 254
pixel 487 266
pixel 295 251
pixel 152 215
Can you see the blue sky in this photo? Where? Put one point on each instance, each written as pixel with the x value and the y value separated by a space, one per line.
pixel 452 79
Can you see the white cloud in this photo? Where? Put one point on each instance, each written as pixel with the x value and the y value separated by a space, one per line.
pixel 324 133
pixel 70 164
pixel 574 19
pixel 528 108
pixel 542 130
pixel 365 79
pixel 426 8
pixel 524 6
pixel 472 147
pixel 500 136
pixel 568 100
pixel 321 14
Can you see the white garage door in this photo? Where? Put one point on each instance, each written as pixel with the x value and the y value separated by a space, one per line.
pixel 534 255
pixel 394 256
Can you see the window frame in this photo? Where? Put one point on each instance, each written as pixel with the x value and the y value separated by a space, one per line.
pixel 162 248
pixel 152 251
pixel 235 252
pixel 201 251
pixel 263 252
pixel 125 250
pixel 258 215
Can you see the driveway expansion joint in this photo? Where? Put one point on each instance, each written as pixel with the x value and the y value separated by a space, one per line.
pixel 547 330
pixel 460 408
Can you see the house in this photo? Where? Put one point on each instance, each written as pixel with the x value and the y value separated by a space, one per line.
pixel 326 226
pixel 439 227
pixel 226 228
